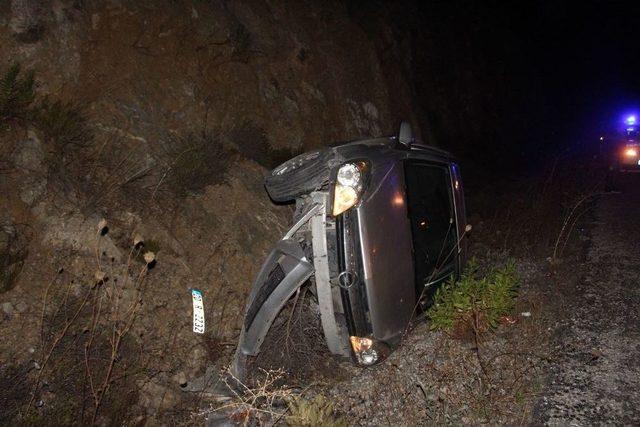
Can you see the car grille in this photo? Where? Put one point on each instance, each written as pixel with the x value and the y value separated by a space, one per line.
pixel 354 299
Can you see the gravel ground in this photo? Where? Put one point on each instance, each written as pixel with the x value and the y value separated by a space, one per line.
pixel 434 379
pixel 595 376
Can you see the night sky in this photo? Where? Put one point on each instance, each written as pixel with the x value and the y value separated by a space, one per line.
pixel 513 83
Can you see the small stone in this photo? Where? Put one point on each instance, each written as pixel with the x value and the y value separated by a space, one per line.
pixel 100 276
pixel 21 307
pixel 180 378
pixel 103 227
pixel 7 308
pixel 149 257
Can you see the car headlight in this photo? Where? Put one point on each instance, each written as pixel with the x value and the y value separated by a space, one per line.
pixel 368 351
pixel 350 182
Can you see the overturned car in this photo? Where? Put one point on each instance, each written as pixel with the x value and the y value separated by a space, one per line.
pixel 378 225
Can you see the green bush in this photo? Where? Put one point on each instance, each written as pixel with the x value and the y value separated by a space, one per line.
pixel 476 301
pixel 17 93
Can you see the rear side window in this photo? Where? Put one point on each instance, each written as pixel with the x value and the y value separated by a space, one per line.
pixel 432 216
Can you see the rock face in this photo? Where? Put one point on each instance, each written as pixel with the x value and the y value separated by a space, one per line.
pixel 301 74
pixel 25 23
pixel 187 105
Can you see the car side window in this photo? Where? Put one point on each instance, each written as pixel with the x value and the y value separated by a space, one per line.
pixel 433 222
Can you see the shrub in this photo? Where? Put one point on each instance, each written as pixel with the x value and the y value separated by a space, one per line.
pixel 252 143
pixel 476 301
pixel 194 161
pixel 316 412
pixel 63 123
pixel 17 93
pixel 13 253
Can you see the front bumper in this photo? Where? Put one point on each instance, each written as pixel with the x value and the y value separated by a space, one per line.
pixel 284 271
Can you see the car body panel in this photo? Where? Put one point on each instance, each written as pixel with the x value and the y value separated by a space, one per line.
pixel 382 238
pixel 329 303
pixel 387 261
pixel 283 272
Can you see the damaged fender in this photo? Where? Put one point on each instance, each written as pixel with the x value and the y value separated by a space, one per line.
pixel 284 271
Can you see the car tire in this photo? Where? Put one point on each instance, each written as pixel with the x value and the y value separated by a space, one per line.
pixel 299 175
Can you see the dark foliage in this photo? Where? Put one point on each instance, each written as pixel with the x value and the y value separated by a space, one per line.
pixel 194 161
pixel 253 144
pixel 13 252
pixel 63 123
pixel 17 93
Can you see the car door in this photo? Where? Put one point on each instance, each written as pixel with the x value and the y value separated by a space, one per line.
pixel 434 225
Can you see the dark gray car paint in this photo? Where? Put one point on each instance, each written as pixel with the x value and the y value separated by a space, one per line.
pixel 386 245
pixel 297 269
pixel 385 235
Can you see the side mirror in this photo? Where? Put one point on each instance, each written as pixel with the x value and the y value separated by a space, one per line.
pixel 406 134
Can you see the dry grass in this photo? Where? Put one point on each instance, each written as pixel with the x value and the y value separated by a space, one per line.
pixel 318 411
pixel 264 403
pixel 524 217
pixel 270 402
pixel 17 94
pixel 191 162
pixel 13 252
pixel 296 344
pixel 86 349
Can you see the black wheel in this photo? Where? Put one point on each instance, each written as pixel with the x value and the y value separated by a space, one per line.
pixel 299 175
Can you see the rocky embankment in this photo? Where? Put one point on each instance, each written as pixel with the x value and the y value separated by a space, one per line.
pixel 161 119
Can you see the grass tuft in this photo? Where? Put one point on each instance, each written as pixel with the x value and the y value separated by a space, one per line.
pixel 13 253
pixel 63 123
pixel 476 301
pixel 17 93
pixel 194 161
pixel 252 143
pixel 316 412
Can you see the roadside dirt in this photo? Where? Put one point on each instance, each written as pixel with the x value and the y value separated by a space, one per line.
pixel 595 372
